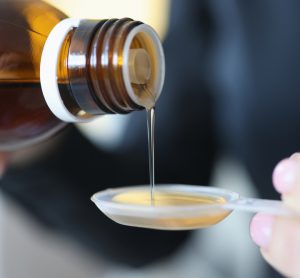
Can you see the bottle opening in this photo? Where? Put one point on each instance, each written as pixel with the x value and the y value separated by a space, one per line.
pixel 143 66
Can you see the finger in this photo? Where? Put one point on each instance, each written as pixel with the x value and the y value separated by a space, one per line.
pixel 285 174
pixel 286 180
pixel 279 241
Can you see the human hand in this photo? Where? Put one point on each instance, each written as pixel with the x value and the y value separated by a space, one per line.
pixel 279 237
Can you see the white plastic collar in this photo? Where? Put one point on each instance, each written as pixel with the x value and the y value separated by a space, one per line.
pixel 48 70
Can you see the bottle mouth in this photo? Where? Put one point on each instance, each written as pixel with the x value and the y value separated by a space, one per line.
pixel 143 65
pixel 113 66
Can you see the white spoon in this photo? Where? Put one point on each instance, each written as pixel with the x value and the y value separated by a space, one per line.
pixel 179 207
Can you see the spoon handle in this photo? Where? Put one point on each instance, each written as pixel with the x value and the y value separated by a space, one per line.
pixel 261 205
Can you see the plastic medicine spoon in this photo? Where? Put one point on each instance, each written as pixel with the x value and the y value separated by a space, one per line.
pixel 178 207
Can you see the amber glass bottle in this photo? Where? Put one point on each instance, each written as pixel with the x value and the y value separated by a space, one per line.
pixel 102 67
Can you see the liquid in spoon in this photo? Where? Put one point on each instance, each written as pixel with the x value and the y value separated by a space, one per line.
pixel 168 199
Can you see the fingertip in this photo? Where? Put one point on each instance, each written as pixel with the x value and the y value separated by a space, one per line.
pixel 285 175
pixel 295 156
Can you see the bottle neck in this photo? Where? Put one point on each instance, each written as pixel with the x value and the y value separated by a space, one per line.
pixel 109 66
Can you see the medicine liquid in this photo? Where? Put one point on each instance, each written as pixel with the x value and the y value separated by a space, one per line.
pixel 151 145
pixel 169 199
pixel 153 197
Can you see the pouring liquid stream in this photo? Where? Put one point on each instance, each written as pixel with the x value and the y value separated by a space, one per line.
pixel 151 142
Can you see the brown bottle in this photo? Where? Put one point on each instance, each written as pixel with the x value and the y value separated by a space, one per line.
pixel 102 67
